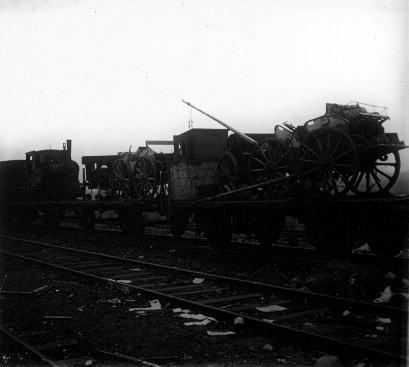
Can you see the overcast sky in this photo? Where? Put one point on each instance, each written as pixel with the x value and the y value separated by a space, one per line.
pixel 110 74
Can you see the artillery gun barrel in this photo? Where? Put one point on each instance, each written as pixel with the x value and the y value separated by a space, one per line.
pixel 243 136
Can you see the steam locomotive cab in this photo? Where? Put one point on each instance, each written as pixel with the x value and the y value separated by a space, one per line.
pixel 52 174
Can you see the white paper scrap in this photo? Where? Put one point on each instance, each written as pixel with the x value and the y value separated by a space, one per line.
pixel 271 308
pixel 385 297
pixel 198 323
pixel 196 316
pixel 220 333
pixel 124 281
pixel 155 305
pixel 177 310
pixel 383 320
pixel 198 281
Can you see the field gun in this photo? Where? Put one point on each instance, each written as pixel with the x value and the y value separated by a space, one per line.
pixel 261 161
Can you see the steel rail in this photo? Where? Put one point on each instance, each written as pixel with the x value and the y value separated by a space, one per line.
pixel 28 347
pixel 320 342
pixel 339 301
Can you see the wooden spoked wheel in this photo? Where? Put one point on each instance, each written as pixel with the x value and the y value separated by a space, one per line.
pixel 329 160
pixel 378 170
pixel 145 178
pixel 121 180
pixel 227 173
pixel 271 159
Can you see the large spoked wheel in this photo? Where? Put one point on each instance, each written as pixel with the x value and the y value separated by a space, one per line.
pixel 377 172
pixel 328 161
pixel 271 159
pixel 145 178
pixel 227 173
pixel 121 180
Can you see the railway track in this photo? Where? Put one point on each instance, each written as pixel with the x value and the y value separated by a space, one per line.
pixel 332 324
pixel 26 350
pixel 292 246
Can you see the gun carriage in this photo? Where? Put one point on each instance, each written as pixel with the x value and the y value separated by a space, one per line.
pixel 344 151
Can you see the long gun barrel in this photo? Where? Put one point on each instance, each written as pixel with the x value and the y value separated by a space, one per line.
pixel 243 136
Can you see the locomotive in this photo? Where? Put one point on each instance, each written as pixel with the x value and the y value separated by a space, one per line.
pixel 44 175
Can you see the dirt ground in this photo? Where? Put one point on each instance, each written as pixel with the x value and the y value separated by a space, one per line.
pixel 101 318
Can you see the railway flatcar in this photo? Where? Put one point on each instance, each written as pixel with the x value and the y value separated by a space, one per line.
pixel 333 174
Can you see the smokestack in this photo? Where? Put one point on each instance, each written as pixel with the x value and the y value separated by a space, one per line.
pixel 68 149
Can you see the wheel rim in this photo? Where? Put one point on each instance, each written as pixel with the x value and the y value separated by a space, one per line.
pixel 121 180
pixel 227 173
pixel 145 180
pixel 271 159
pixel 328 162
pixel 378 171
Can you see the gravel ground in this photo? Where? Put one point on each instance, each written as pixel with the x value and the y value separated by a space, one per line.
pixel 335 277
pixel 100 312
pixel 102 320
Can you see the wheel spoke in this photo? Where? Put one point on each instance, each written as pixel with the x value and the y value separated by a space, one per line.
pixel 341 155
pixel 336 147
pixel 383 173
pixel 312 151
pixel 376 179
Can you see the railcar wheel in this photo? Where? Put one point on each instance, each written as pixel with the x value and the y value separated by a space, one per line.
pixel 270 159
pixel 387 232
pixel 377 172
pixel 218 229
pixel 329 160
pixel 179 224
pixel 267 226
pixel 132 223
pixel 121 180
pixel 227 173
pixel 145 178
pixel 331 233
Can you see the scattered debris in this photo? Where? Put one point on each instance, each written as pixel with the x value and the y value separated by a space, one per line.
pixel 81 309
pixel 198 280
pixel 364 248
pixel 385 297
pixel 177 310
pixel 271 308
pixel 238 321
pixel 372 336
pixel 309 324
pixel 346 313
pixel 268 347
pixel 58 317
pixel 198 316
pixel 220 333
pixel 197 323
pixel 390 276
pixel 41 290
pixel 328 361
pixel 383 320
pixel 114 301
pixel 154 306
pixel 380 328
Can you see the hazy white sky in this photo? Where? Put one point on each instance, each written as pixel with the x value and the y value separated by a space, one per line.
pixel 110 74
